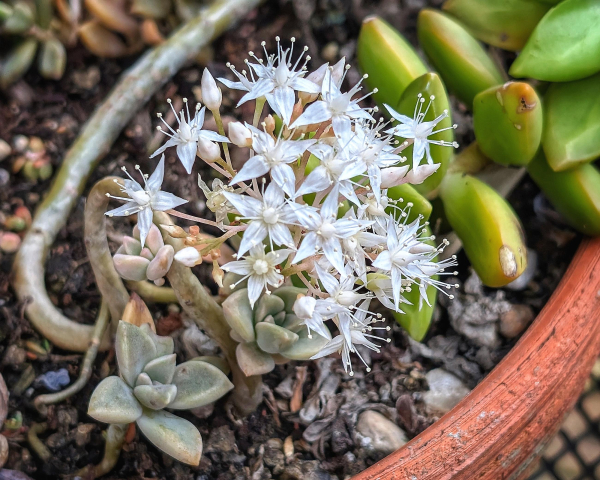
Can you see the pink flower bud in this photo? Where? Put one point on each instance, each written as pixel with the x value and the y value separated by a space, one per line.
pixel 208 151
pixel 240 135
pixel 419 174
pixel 211 94
pixel 393 176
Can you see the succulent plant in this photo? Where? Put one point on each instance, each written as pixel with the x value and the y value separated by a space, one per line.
pixel 271 332
pixel 149 382
pixel 150 262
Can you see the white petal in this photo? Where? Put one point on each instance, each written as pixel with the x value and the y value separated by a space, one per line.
pixel 256 284
pixel 282 101
pixel 383 261
pixel 283 175
pixel 274 196
pixel 333 251
pixel 259 89
pixel 144 223
pixel 241 267
pixel 231 84
pixel 329 208
pixel 156 179
pixel 329 281
pixel 244 204
pixel 341 124
pixel 316 181
pixel 255 167
pixel 198 120
pixel 171 142
pixel 332 347
pixel 304 85
pixel 124 210
pixel 162 201
pixel 254 234
pixel 398 116
pixel 418 151
pixel 212 136
pixel 316 112
pixel 281 235
pixel 187 154
pixel 307 247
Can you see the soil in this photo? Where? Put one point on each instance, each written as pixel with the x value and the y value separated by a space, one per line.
pixel 314 438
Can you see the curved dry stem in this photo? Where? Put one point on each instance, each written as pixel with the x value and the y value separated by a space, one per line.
pixel 133 90
pixel 115 438
pixel 108 280
pixel 41 401
pixel 35 443
pixel 151 293
pixel 208 315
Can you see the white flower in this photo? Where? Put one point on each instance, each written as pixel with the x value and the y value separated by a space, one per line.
pixel 408 259
pixel 338 72
pixel 260 269
pixel 335 106
pixel 268 216
pixel 211 94
pixel 239 134
pixel 143 200
pixel 215 199
pixel 276 81
pixel 208 151
pixel 418 130
pixel 325 231
pixel 313 312
pixel 187 134
pixel 188 256
pixel 274 156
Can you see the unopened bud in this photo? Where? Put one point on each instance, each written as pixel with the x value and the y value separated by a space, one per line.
pixel 188 256
pixel 270 124
pixel 393 176
pixel 240 135
pixel 304 307
pixel 218 274
pixel 208 151
pixel 419 174
pixel 174 231
pixel 211 94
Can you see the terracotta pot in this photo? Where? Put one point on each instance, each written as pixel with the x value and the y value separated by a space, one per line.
pixel 502 426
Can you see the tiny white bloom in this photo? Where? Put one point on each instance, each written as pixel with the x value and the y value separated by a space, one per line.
pixel 211 94
pixel 260 269
pixel 186 137
pixel 239 134
pixel 313 312
pixel 143 200
pixel 188 256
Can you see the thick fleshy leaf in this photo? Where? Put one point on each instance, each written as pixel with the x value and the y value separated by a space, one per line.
pixel 113 402
pixel 52 59
pixel 305 347
pixel 238 314
pixel 161 263
pixel 198 384
pixel 565 44
pixel 218 362
pixel 162 369
pixel 17 61
pixel 292 323
pixel 267 305
pixel 143 379
pixel 506 24
pixel 131 267
pixel 272 338
pixel 491 232
pixel 428 85
pixel 388 59
pixel 461 61
pixel 289 295
pixel 164 345
pixel 572 123
pixel 134 350
pixel 508 121
pixel 155 397
pixel 409 194
pixel 252 360
pixel 172 434
pixel 154 240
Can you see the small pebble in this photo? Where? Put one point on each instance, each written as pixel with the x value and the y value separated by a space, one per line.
pixel 3 450
pixel 330 52
pixel 445 391
pixel 53 381
pixel 20 143
pixel 9 242
pixel 383 435
pixel 4 177
pixel 4 149
pixel 516 320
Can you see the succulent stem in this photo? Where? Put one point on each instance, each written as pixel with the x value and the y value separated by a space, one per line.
pixel 133 90
pixel 36 444
pixel 115 437
pixel 208 315
pixel 41 401
pixel 151 293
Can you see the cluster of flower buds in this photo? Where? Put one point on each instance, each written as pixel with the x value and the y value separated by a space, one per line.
pixel 310 203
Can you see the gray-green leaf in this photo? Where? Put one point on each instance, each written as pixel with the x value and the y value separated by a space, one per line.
pixel 272 338
pixel 267 305
pixel 134 350
pixel 198 384
pixel 238 314
pixel 162 369
pixel 113 402
pixel 252 360
pixel 306 347
pixel 155 397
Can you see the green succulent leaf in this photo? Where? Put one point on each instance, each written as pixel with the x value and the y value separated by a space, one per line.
pixel 156 9
pixel 218 362
pixel 162 369
pixel 20 20
pixel 113 402
pixel 572 123
pixel 565 44
pixel 164 345
pixel 306 347
pixel 292 323
pixel 463 64
pixel 238 314
pixel 267 305
pixel 252 360
pixel 132 246
pixel 53 59
pixel 17 62
pixel 505 24
pixel 155 397
pixel 172 434
pixel 428 85
pixel 409 194
pixel 289 295
pixel 272 338
pixel 198 384
pixel 488 227
pixel 574 193
pixel 134 350
pixel 508 122
pixel 388 59
pixel 143 379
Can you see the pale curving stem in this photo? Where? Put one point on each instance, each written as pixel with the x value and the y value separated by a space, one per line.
pixel 197 302
pixel 133 90
pixel 151 293
pixel 115 438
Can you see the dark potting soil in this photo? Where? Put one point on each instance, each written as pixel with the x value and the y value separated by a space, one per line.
pixel 306 428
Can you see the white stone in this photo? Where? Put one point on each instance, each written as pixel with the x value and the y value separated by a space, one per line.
pixel 445 391
pixel 379 433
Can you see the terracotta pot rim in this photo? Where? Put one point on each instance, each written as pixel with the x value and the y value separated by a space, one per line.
pixel 500 428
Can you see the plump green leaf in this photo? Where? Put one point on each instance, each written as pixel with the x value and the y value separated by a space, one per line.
pixel 503 23
pixel 198 384
pixel 572 123
pixel 162 369
pixel 267 305
pixel 113 402
pixel 508 122
pixel 218 362
pixel 252 360
pixel 164 345
pixel 155 397
pixel 172 434
pixel 305 347
pixel 408 194
pixel 17 62
pixel 272 338
pixel 143 379
pixel 574 193
pixel 463 64
pixel 53 59
pixel 428 85
pixel 20 20
pixel 565 44
pixel 289 295
pixel 134 350
pixel 388 59
pixel 238 314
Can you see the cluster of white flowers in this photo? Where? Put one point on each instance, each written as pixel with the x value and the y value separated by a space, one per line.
pixel 311 200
